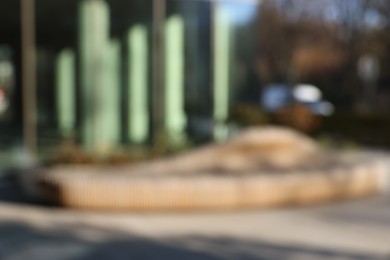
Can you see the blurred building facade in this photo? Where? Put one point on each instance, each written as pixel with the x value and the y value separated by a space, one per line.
pixel 118 72
pixel 105 70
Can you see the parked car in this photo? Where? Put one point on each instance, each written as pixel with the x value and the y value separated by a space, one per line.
pixel 278 96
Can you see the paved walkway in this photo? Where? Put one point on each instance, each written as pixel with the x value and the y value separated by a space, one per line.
pixel 348 230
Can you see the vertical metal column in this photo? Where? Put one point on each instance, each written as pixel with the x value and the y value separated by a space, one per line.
pixel 213 7
pixel 29 76
pixel 159 13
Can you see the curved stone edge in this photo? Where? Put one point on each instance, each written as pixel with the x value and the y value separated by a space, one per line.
pixel 124 192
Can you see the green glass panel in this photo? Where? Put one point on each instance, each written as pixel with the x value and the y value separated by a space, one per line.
pixel 65 94
pixel 137 44
pixel 221 73
pixel 93 35
pixel 175 117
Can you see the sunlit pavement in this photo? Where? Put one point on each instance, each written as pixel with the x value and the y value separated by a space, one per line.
pixel 348 230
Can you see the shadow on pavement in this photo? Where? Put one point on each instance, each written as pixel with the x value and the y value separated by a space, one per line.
pixel 10 189
pixel 12 192
pixel 20 241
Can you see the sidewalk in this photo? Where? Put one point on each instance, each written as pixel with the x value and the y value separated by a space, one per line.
pixel 347 230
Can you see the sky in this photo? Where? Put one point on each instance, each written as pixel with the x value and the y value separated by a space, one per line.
pixel 241 12
pixel 244 11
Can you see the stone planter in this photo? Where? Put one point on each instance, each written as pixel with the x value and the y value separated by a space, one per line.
pixel 98 189
pixel 259 168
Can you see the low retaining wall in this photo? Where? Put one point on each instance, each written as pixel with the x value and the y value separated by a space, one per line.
pixel 102 190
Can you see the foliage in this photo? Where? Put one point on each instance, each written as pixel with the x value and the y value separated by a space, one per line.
pixel 321 42
pixel 296 116
pixel 165 144
pixel 368 129
pixel 69 152
pixel 248 115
